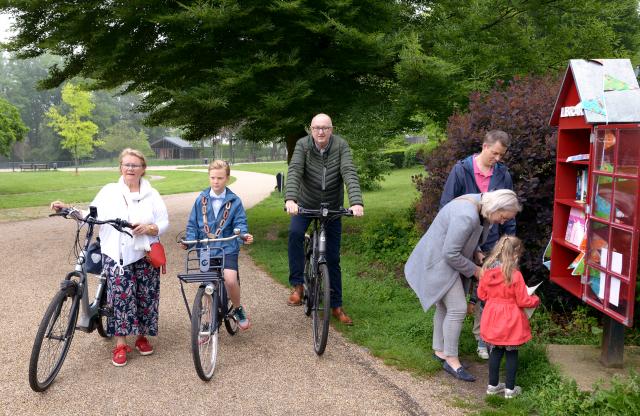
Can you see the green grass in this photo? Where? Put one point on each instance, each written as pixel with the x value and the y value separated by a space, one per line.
pixel 390 323
pixel 30 189
pixel 271 168
pixel 389 319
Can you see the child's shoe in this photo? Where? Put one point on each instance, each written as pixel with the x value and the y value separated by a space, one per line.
pixel 509 394
pixel 241 317
pixel 495 389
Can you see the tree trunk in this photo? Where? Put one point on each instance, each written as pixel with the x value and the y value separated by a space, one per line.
pixel 292 139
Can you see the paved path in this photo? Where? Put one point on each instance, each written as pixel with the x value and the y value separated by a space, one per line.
pixel 270 369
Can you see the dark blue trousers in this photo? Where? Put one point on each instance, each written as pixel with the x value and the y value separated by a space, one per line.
pixel 297 229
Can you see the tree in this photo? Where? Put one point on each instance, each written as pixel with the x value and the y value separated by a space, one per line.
pixel 12 128
pixel 19 84
pixel 270 65
pixel 457 48
pixel 122 135
pixel 76 130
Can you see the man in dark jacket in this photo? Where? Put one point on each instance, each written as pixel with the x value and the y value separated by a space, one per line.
pixel 320 167
pixel 478 173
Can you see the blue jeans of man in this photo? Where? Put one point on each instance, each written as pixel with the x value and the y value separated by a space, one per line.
pixel 297 228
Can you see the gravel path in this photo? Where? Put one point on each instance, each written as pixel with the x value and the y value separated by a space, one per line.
pixel 269 370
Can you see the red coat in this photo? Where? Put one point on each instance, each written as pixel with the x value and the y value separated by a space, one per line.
pixel 503 320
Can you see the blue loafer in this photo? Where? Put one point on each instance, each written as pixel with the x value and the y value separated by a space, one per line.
pixel 442 360
pixel 460 373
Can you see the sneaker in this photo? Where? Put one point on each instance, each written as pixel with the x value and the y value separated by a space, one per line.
pixel 120 355
pixel 143 346
pixel 483 353
pixel 495 389
pixel 240 316
pixel 509 394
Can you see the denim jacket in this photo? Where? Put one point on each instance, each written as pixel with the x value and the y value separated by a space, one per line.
pixel 237 219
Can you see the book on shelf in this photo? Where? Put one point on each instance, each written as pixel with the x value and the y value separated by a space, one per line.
pixel 582 181
pixel 575 158
pixel 575 226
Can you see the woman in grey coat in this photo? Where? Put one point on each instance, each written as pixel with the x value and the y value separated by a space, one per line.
pixel 445 256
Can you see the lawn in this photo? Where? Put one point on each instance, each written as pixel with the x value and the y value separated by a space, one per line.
pixel 389 320
pixel 30 189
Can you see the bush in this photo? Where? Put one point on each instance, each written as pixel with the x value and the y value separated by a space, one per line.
pixel 522 108
pixel 388 240
pixel 395 157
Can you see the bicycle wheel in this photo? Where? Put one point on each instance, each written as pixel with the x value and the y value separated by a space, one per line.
pixel 103 314
pixel 204 333
pixel 307 300
pixel 53 339
pixel 321 310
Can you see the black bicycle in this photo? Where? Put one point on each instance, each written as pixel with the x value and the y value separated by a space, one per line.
pixel 317 290
pixel 70 309
pixel 204 265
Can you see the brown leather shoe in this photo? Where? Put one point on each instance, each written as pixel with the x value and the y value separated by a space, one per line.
pixel 339 314
pixel 295 298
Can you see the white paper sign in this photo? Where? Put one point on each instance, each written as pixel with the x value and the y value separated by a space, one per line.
pixel 616 262
pixel 614 291
pixel 603 257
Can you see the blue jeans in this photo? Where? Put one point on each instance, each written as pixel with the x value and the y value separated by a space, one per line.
pixel 297 229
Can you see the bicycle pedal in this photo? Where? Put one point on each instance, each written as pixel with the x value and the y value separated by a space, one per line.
pixel 107 311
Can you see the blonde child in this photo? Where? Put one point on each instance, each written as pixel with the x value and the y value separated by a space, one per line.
pixel 224 213
pixel 504 325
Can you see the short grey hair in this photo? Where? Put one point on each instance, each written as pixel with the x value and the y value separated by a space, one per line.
pixel 499 200
pixel 494 136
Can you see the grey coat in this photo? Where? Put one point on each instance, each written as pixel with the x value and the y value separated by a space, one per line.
pixel 446 250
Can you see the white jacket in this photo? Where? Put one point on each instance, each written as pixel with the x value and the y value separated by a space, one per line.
pixel 146 207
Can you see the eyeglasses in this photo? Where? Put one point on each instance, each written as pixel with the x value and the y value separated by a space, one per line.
pixel 321 128
pixel 130 166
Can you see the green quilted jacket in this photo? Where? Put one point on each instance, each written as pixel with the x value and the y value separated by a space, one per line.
pixel 314 178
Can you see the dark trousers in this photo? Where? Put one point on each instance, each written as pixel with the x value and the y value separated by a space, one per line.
pixel 495 357
pixel 297 229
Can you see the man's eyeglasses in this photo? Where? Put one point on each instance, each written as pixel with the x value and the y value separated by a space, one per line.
pixel 130 166
pixel 321 128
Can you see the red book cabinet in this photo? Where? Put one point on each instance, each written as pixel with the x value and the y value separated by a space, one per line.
pixel 596 226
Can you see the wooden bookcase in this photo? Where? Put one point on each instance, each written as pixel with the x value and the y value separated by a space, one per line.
pixel 611 207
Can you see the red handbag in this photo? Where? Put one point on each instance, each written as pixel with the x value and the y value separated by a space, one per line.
pixel 157 257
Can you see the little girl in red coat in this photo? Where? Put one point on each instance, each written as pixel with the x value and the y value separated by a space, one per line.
pixel 504 325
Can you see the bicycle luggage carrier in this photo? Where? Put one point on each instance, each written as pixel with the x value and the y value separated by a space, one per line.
pixel 200 277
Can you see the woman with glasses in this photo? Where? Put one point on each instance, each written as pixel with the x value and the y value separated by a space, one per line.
pixel 133 284
pixel 443 260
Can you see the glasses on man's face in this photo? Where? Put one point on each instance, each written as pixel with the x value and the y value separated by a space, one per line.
pixel 321 128
pixel 130 166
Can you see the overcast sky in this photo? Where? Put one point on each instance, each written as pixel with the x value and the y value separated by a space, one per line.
pixel 5 21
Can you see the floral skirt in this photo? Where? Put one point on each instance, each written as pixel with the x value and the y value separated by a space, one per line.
pixel 133 291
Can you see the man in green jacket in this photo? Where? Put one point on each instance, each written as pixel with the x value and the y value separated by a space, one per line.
pixel 320 167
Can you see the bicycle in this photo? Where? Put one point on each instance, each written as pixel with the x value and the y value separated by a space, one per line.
pixel 317 291
pixel 211 306
pixel 70 309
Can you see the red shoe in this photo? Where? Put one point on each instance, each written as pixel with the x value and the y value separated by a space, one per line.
pixel 143 346
pixel 120 355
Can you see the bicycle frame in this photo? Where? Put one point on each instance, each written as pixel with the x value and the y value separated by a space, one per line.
pixel 87 310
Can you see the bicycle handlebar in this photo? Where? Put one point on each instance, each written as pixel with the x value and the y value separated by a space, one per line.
pixel 236 233
pixel 117 223
pixel 323 212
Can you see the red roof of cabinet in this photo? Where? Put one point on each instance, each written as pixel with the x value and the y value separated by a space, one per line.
pixel 606 90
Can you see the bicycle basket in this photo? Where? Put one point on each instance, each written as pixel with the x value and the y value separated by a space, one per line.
pixel 93 260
